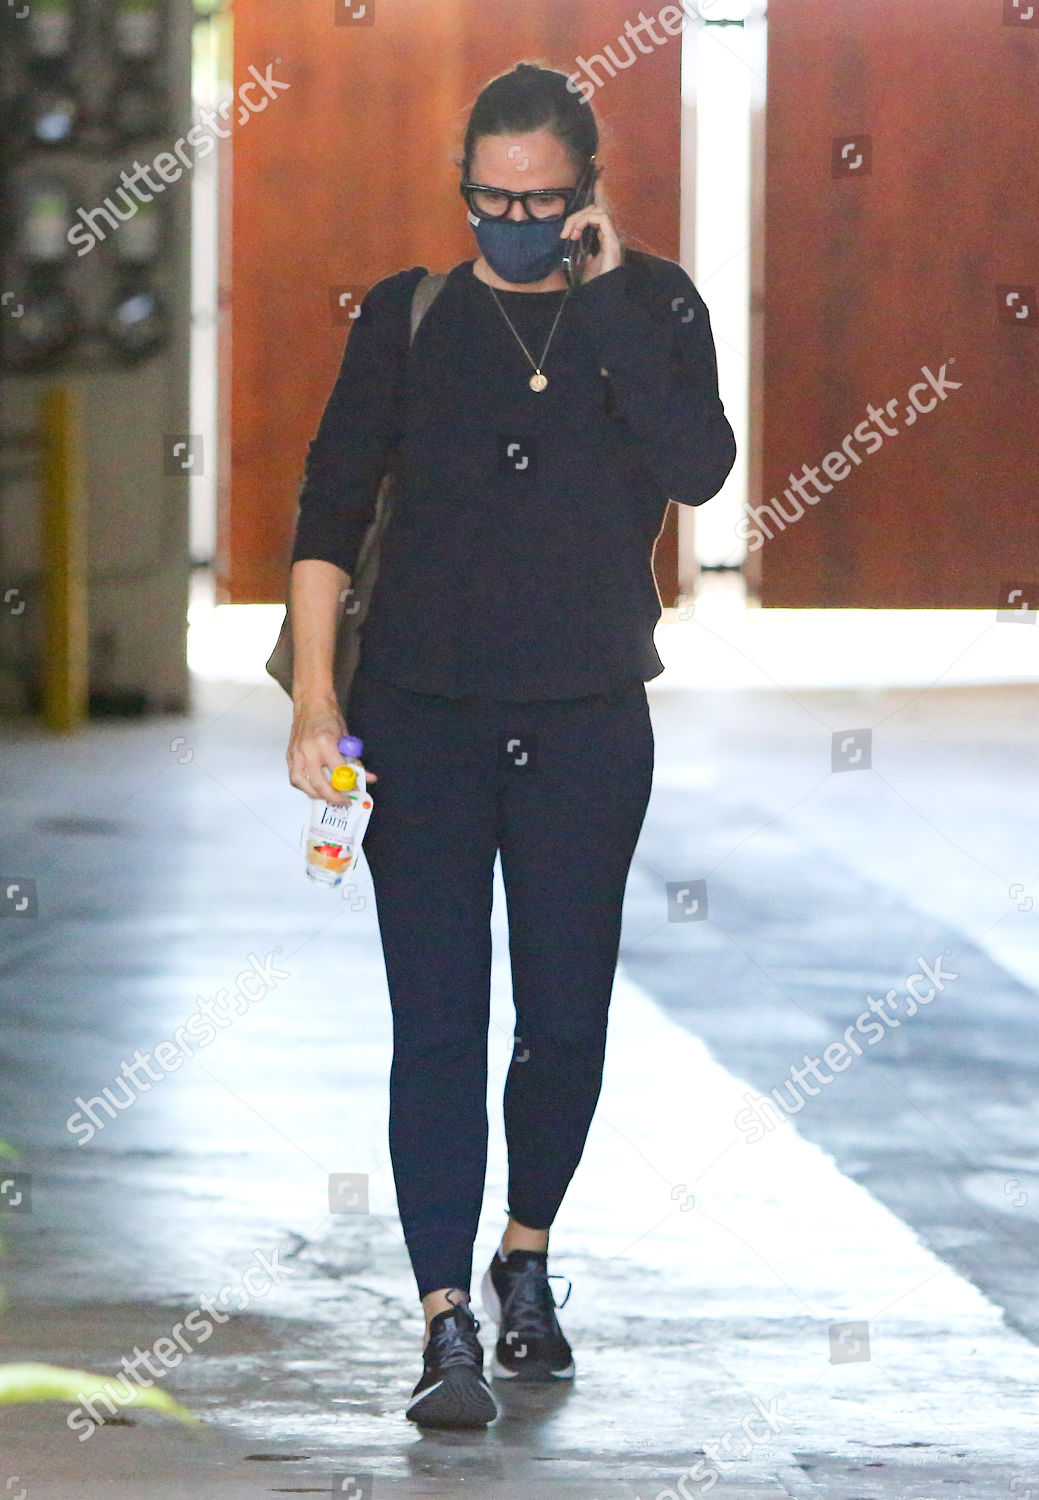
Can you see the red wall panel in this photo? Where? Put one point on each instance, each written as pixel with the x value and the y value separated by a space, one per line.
pixel 872 274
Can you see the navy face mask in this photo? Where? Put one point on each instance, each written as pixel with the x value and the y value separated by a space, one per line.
pixel 520 250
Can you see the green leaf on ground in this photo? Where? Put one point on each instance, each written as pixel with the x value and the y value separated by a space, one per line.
pixel 26 1383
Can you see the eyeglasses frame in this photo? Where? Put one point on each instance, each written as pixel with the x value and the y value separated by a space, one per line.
pixel 583 184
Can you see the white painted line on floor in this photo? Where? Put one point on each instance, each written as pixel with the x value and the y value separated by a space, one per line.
pixel 779 1239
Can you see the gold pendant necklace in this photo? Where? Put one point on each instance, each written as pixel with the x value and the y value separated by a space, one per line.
pixel 538 381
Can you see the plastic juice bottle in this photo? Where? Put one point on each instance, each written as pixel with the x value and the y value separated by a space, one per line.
pixel 332 835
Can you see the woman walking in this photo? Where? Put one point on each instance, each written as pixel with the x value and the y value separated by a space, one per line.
pixel 545 413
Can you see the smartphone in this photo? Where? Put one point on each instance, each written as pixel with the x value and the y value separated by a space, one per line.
pixel 578 251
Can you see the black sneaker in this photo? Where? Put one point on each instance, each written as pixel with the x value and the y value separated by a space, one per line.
pixel 453 1390
pixel 518 1297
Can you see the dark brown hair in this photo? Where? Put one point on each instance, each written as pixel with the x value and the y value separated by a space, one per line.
pixel 528 98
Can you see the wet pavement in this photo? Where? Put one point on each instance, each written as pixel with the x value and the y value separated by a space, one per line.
pixel 833 1298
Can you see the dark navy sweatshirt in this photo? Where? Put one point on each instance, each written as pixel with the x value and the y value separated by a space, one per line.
pixel 517 559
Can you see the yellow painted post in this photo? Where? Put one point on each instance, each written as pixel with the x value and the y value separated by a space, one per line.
pixel 64 542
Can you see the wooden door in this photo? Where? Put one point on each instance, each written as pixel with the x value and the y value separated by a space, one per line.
pixel 900 242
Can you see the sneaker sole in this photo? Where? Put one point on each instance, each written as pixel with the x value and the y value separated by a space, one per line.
pixel 533 1374
pixel 536 1374
pixel 459 1399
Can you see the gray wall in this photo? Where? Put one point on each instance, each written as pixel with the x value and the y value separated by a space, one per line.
pixel 138 515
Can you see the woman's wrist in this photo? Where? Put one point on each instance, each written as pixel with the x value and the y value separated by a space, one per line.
pixel 310 694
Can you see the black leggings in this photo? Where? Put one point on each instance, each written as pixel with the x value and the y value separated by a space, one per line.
pixel 561 787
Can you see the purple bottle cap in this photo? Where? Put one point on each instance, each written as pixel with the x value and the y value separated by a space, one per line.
pixel 350 745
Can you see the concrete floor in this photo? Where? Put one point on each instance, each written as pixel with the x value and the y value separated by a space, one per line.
pixel 713 1275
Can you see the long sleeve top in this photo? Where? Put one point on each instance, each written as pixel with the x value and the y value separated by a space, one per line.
pixel 516 562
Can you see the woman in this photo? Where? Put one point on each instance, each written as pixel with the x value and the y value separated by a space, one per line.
pixel 500 690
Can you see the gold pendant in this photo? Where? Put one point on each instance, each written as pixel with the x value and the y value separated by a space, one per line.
pixel 538 381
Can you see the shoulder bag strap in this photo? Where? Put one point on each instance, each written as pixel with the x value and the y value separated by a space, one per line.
pixel 423 298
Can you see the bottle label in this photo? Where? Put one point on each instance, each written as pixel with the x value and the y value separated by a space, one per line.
pixel 333 835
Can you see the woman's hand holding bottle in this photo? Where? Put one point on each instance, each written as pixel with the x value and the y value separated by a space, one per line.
pixel 313 754
pixel 324 762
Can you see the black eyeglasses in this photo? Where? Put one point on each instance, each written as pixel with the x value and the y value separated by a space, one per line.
pixel 538 203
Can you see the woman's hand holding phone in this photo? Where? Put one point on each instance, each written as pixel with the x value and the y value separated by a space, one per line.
pixel 598 249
